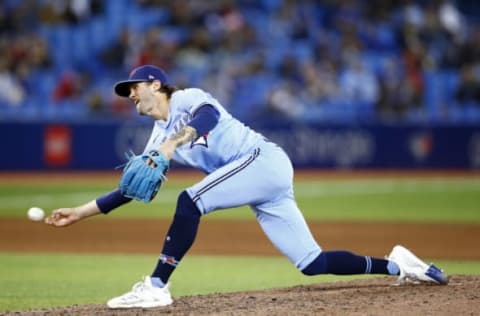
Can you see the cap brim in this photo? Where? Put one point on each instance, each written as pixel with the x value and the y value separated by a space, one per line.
pixel 122 88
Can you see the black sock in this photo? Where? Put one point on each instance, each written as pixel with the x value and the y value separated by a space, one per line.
pixel 346 263
pixel 180 237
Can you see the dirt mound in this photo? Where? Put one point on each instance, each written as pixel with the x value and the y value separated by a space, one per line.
pixel 361 297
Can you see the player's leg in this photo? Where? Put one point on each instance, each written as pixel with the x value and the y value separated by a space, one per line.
pixel 179 239
pixel 153 291
pixel 230 186
pixel 238 183
pixel 401 262
pixel 265 179
pixel 285 226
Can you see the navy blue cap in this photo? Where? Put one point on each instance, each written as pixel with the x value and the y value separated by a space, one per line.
pixel 140 74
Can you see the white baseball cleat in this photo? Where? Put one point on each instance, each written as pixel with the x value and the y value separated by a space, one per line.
pixel 143 295
pixel 414 270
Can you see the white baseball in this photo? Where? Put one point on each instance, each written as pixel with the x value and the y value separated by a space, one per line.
pixel 36 214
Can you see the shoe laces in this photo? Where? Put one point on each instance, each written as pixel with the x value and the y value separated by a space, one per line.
pixel 137 290
pixel 139 287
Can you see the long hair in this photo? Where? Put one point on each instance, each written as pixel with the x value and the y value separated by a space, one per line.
pixel 168 89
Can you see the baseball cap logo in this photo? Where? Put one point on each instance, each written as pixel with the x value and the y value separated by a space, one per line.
pixel 151 77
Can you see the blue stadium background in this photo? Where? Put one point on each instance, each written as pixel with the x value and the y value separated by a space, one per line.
pixel 397 82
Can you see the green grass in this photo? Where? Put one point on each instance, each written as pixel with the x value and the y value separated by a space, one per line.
pixel 46 280
pixel 416 200
pixel 32 281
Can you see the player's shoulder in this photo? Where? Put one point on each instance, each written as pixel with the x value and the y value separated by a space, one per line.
pixel 191 98
pixel 191 93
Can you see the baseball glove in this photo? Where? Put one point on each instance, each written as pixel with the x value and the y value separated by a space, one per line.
pixel 143 175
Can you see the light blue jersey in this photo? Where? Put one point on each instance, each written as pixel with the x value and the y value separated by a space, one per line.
pixel 242 169
pixel 228 141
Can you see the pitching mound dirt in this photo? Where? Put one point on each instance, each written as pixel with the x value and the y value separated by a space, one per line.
pixel 362 297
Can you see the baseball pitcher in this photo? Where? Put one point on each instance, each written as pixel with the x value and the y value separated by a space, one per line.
pixel 241 167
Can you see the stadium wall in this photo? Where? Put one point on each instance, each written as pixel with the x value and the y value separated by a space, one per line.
pixel 101 146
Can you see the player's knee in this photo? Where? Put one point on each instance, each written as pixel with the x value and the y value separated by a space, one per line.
pixel 186 207
pixel 317 266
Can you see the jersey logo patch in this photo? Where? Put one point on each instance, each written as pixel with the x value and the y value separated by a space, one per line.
pixel 202 141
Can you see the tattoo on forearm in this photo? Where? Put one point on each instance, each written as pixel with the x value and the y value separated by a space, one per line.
pixel 185 135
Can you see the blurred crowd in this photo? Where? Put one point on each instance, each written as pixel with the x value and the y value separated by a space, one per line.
pixel 343 60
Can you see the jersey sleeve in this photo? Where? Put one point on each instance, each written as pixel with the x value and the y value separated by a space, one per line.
pixel 205 119
pixel 195 98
